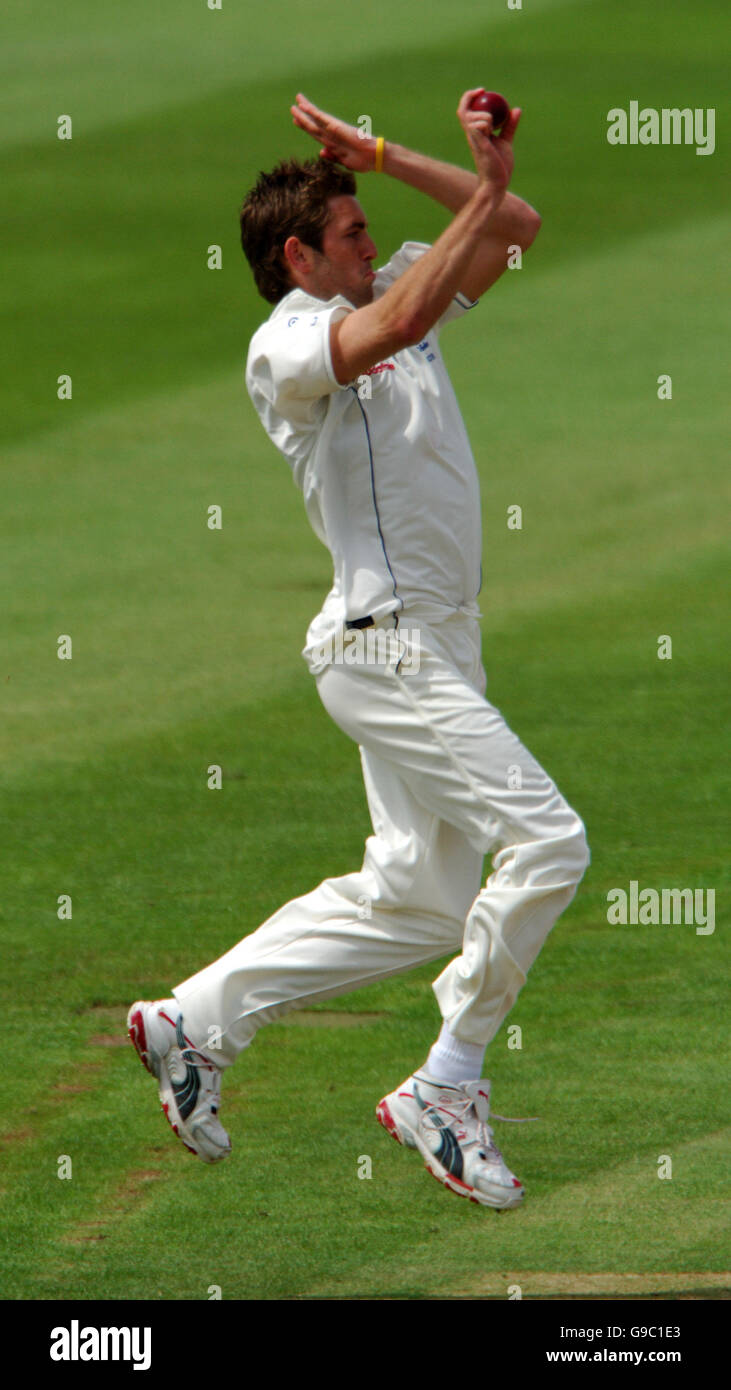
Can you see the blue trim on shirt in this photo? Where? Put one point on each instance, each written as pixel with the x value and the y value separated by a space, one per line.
pixel 373 494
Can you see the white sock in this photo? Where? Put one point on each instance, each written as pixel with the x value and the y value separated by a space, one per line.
pixel 454 1061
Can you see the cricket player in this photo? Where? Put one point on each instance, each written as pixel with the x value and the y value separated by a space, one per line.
pixel 348 380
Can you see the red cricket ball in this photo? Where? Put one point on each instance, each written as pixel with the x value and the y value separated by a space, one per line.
pixel 495 105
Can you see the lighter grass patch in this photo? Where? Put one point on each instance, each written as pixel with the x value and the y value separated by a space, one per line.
pixel 607 1284
pixel 612 1217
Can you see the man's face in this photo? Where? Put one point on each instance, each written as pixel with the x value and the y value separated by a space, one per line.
pixel 344 264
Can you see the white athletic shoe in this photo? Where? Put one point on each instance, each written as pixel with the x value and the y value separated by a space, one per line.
pixel 189 1083
pixel 448 1124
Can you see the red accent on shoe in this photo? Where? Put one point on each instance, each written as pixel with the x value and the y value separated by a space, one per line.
pixel 173 1024
pixel 517 1182
pixel 453 1184
pixel 384 1117
pixel 138 1038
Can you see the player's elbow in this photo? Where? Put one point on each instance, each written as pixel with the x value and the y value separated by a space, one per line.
pixel 410 328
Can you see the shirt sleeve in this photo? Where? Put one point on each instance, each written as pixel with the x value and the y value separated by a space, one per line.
pixel 407 256
pixel 289 367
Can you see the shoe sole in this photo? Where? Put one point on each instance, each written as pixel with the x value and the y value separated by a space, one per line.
pixel 138 1038
pixel 433 1166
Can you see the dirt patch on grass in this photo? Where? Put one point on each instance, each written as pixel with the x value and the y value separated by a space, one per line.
pixel 83 1075
pixel 127 1196
pixel 329 1018
pixel 86 1231
pixel 15 1136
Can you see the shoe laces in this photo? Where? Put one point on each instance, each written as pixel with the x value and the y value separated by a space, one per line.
pixel 458 1113
pixel 197 1059
pixel 190 1053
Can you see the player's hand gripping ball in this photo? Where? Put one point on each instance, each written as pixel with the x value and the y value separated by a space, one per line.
pixel 494 105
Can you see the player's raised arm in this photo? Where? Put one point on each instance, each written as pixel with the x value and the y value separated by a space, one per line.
pixel 515 223
pixel 410 308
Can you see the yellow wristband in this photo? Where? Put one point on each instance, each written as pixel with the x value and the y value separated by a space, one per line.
pixel 380 144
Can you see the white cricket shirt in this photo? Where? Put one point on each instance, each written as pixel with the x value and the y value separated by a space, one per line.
pixel 389 480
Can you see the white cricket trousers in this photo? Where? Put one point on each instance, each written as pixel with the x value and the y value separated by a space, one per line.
pixel 447 782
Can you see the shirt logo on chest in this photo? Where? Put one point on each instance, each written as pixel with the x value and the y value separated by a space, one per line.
pixel 380 367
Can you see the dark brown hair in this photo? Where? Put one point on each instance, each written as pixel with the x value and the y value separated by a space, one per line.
pixel 290 201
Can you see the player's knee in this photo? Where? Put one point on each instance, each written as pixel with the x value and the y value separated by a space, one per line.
pixel 575 852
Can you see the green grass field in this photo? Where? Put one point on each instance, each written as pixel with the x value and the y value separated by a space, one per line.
pixel 186 652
